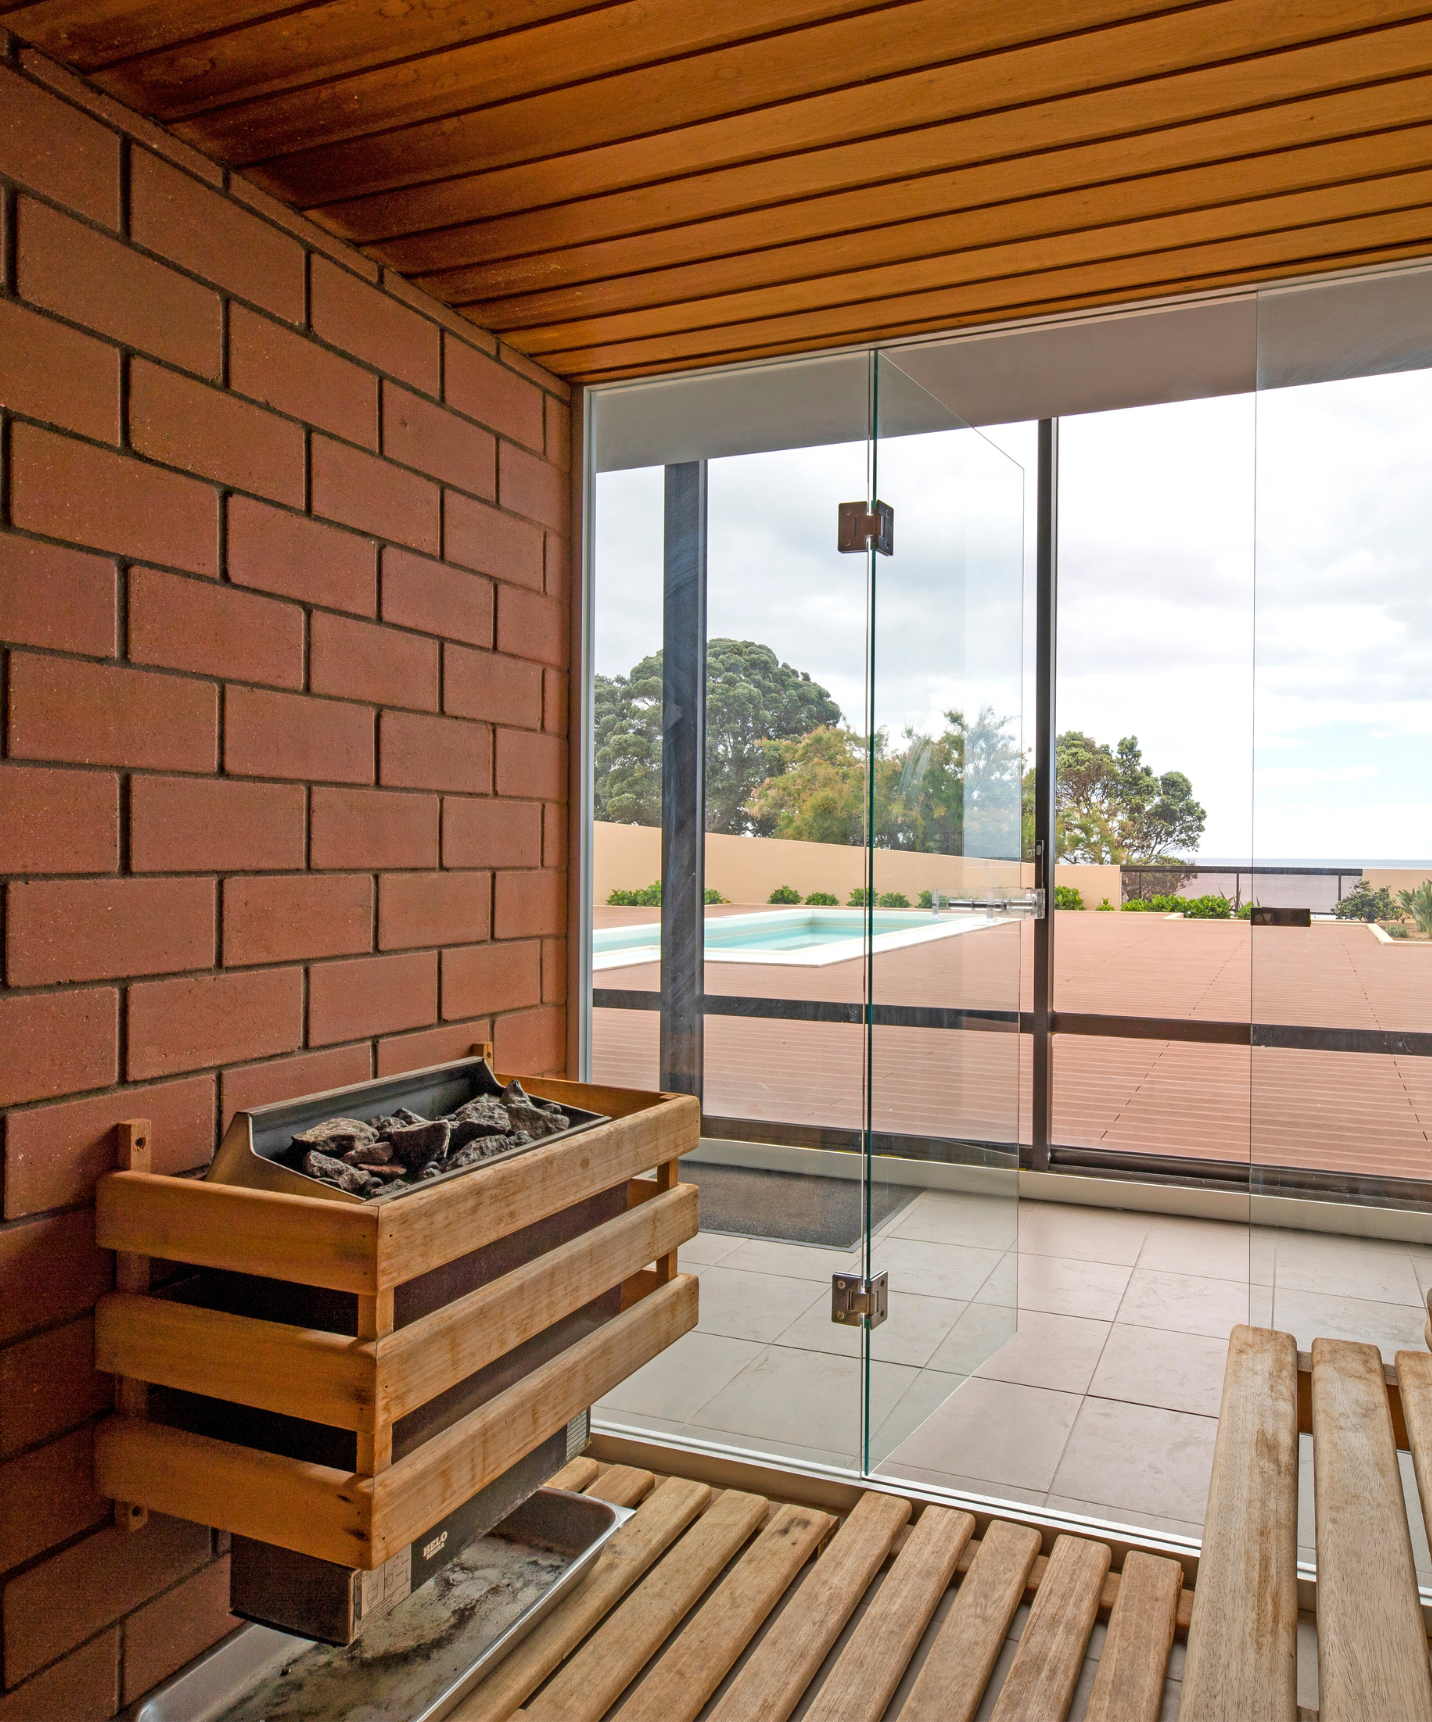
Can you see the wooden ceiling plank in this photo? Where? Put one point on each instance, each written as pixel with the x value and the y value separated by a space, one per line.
pixel 86 34
pixel 1114 202
pixel 602 194
pixel 389 66
pixel 1176 230
pixel 1260 257
pixel 846 55
pixel 1227 139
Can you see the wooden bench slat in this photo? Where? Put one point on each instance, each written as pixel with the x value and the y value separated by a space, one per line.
pixel 696 1664
pixel 1414 1380
pixel 956 1671
pixel 623 1645
pixel 787 1659
pixel 658 1522
pixel 1041 1680
pixel 575 1475
pixel 868 1670
pixel 622 1485
pixel 1372 1647
pixel 1243 1638
pixel 1133 1664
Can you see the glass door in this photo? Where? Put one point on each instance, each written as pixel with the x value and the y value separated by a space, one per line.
pixel 946 891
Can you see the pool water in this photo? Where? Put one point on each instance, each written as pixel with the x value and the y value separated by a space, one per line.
pixel 803 937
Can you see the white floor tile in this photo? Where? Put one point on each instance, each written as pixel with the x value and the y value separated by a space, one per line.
pixel 682 1378
pixel 1311 1315
pixel 935 1270
pixel 1081 1234
pixel 941 1217
pixel 743 1305
pixel 806 1397
pixel 924 1396
pixel 910 1334
pixel 1063 1287
pixel 1185 1303
pixel 1139 1459
pixel 1210 1249
pixel 995 1431
pixel 1149 1366
pixel 1058 1351
pixel 1346 1267
pixel 790 1261
pixel 705 1250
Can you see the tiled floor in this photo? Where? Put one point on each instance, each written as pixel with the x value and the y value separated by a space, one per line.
pixel 1102 1402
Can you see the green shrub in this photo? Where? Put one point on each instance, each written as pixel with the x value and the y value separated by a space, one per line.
pixel 784 894
pixel 647 898
pixel 1246 912
pixel 925 900
pixel 1105 906
pixel 893 900
pixel 714 896
pixel 1418 904
pixel 823 900
pixel 1211 907
pixel 1362 903
pixel 1068 897
pixel 1396 930
pixel 856 899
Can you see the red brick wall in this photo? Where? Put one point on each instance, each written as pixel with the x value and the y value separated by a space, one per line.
pixel 283 601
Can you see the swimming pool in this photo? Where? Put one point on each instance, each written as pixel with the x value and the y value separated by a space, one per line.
pixel 803 938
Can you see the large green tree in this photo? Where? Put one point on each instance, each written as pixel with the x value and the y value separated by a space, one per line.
pixel 1111 807
pixel 752 701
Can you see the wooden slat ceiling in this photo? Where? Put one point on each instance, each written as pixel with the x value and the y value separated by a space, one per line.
pixel 652 185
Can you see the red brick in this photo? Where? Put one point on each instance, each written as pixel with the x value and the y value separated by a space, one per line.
pixel 529 485
pixel 58 821
pixel 288 1078
pixel 374 829
pixel 554 971
pixel 102 714
pixel 554 835
pixel 432 909
pixel 488 685
pixel 430 1046
pixel 218 1019
pixel 105 286
pixel 175 1628
pixel 559 433
pixel 363 661
pixel 50 1271
pixel 555 690
pixel 538 374
pixel 69 1597
pixel 490 541
pixel 526 903
pixel 50 372
pixel 188 825
pixel 453 321
pixel 435 753
pixel 422 434
pixel 365 491
pixel 53 1154
pixel 301 558
pixel 82 1688
pixel 272 364
pixel 480 978
pixel 208 431
pixel 291 735
pixel 371 995
pixel 92 929
pixel 530 625
pixel 534 765
pixel 557 574
pixel 57 1043
pixel 47 1496
pixel 532 1042
pixel 491 833
pixel 50 596
pixel 74 490
pixel 49 1383
pixel 373 327
pixel 294 916
pixel 62 154
pixel 418 593
pixel 492 394
pixel 214 630
pixel 301 228
pixel 211 236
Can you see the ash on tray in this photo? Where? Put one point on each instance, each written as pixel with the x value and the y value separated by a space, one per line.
pixel 407 1658
pixel 395 1153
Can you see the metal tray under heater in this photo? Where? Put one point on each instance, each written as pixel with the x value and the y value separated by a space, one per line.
pixel 258 1672
pixel 252 1152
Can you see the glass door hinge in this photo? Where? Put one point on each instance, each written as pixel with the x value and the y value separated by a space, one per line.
pixel 853 1298
pixel 861 527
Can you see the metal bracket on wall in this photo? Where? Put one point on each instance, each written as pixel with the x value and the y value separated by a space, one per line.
pixel 858 528
pixel 852 1298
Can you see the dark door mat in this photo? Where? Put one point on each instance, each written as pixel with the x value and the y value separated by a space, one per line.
pixel 789 1207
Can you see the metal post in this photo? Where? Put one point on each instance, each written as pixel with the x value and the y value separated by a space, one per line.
pixel 1045 728
pixel 683 779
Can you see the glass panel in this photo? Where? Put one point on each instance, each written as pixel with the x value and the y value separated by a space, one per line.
pixel 945 769
pixel 1343 711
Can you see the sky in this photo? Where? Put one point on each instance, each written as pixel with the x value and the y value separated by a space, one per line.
pixel 1243 585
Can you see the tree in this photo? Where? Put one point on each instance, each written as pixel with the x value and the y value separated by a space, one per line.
pixel 752 700
pixel 1110 807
